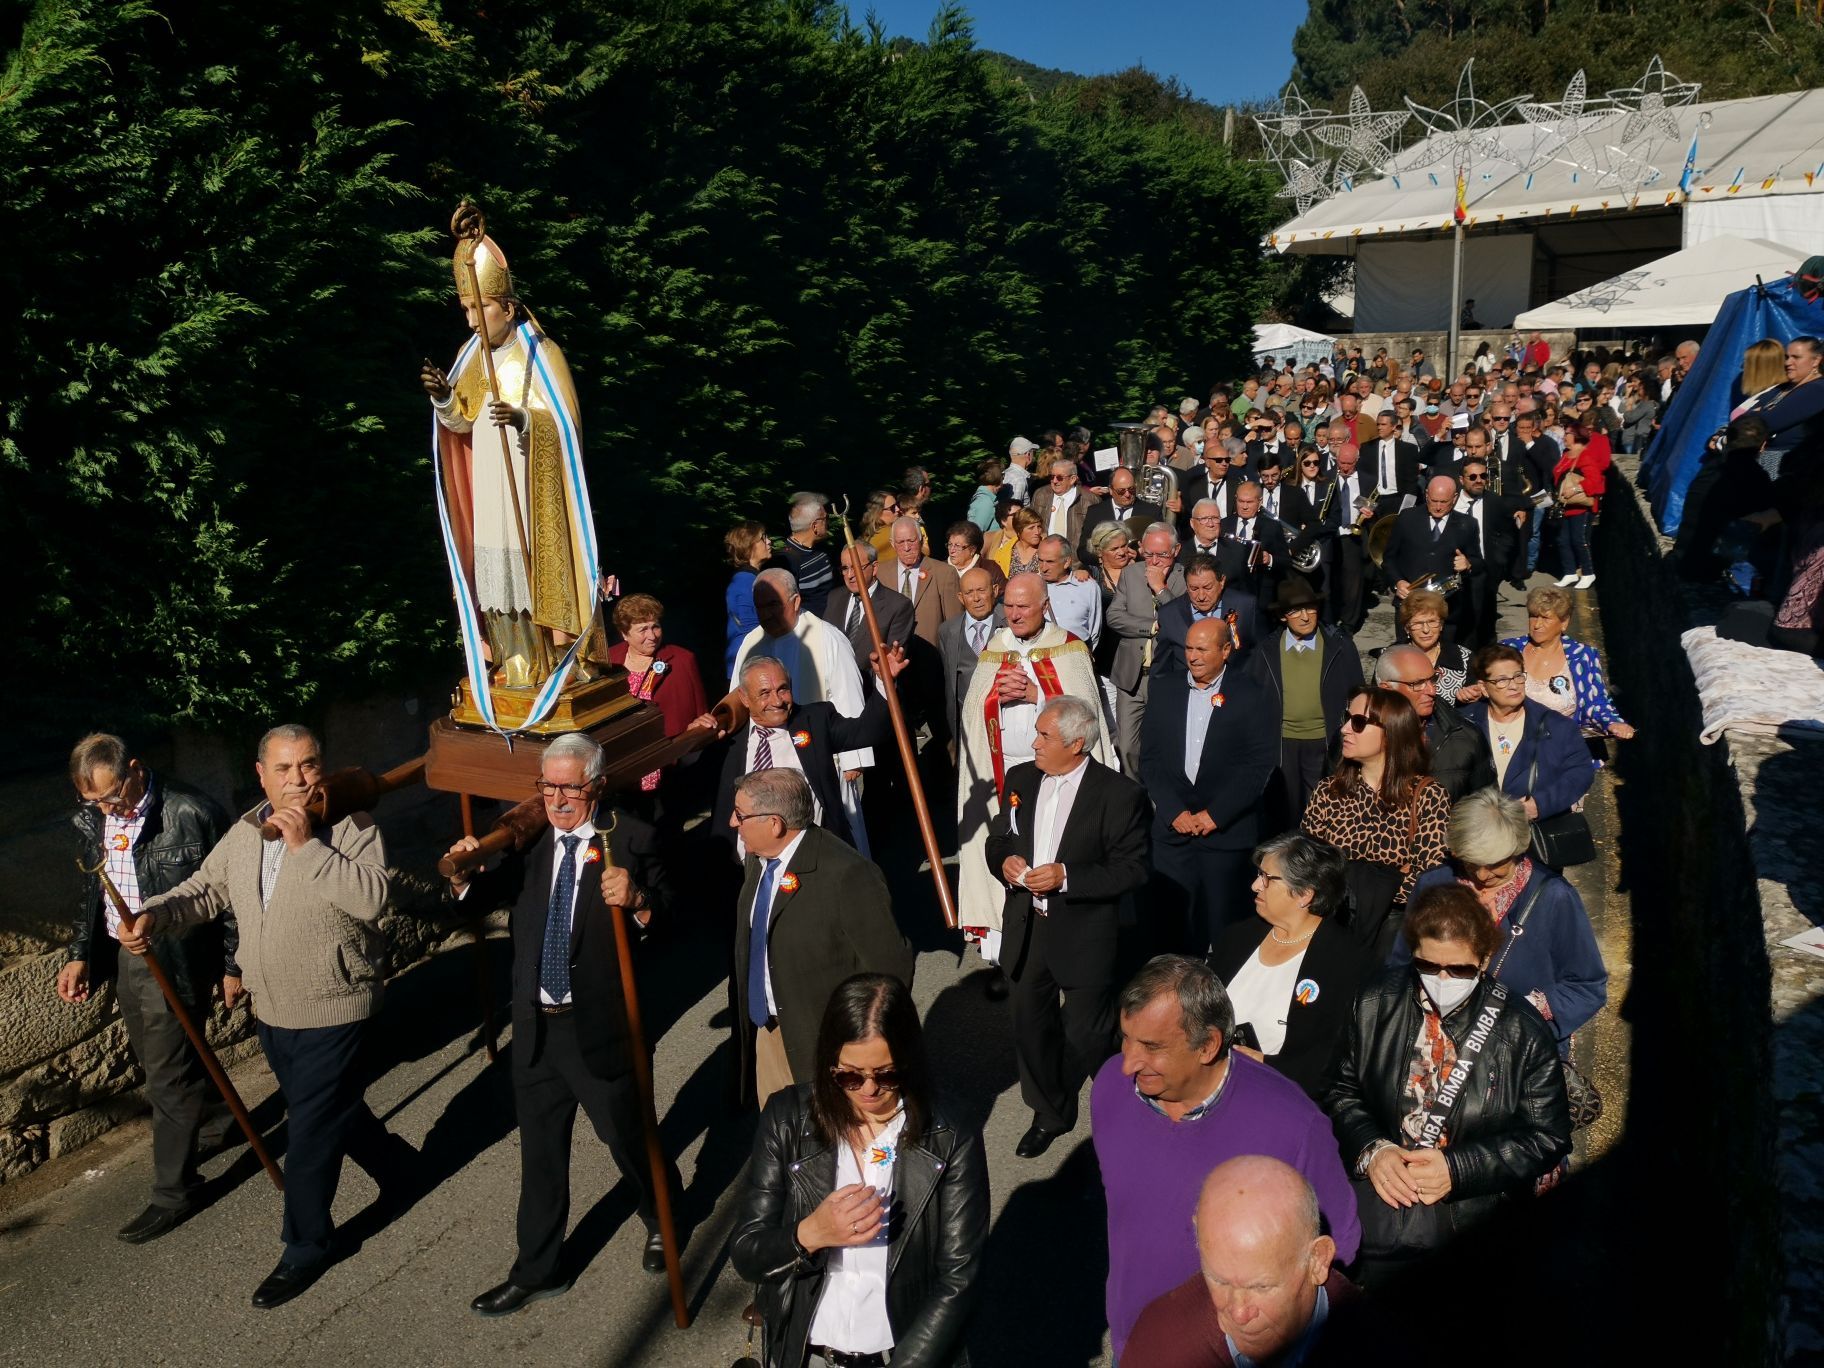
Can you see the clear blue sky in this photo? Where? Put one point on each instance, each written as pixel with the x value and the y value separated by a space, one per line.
pixel 1220 50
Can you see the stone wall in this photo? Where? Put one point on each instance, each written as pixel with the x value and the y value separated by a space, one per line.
pixel 66 1074
pixel 1724 849
pixel 1400 345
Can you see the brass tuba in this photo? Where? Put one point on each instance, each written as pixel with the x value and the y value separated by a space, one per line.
pixel 1308 557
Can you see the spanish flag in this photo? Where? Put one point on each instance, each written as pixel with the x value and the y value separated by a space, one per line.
pixel 1461 212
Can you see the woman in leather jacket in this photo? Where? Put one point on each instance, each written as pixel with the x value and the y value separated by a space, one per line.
pixel 867 1201
pixel 1417 1186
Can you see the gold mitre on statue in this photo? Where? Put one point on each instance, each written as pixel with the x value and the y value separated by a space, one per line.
pixel 491 271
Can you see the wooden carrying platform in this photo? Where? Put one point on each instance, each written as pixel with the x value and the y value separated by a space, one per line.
pixel 475 761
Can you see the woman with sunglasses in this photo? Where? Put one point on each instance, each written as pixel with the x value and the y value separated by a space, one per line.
pixel 877 519
pixel 867 1202
pixel 1548 953
pixel 1383 810
pixel 1449 1093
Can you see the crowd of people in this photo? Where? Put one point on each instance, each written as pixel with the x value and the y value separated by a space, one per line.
pixel 1295 912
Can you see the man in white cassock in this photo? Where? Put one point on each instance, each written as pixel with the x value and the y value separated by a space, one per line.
pixel 822 665
pixel 1026 662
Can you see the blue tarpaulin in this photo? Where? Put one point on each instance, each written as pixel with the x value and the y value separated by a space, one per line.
pixel 1702 403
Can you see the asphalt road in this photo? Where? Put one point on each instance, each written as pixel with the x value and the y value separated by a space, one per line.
pixel 71 1293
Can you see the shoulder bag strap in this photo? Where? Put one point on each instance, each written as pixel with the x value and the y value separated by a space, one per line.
pixel 1412 825
pixel 1518 915
pixel 1532 773
pixel 1456 1083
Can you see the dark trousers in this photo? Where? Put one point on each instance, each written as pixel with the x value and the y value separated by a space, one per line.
pixel 1574 545
pixel 176 1085
pixel 1346 584
pixel 326 1118
pixel 1301 770
pixel 1063 1026
pixel 550 1081
pixel 1201 887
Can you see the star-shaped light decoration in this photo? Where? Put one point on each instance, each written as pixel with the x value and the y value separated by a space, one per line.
pixel 1305 184
pixel 1468 127
pixel 1561 129
pixel 1650 102
pixel 1363 137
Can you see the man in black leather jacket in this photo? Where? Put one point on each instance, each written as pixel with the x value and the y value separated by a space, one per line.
pixel 154 833
pixel 1460 758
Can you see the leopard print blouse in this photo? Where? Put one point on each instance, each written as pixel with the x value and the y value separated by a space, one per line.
pixel 1362 829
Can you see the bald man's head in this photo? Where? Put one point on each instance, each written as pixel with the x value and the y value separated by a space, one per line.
pixel 1440 495
pixel 1263 1253
pixel 1023 600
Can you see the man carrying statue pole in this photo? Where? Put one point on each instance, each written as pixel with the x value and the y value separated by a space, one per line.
pixel 1027 662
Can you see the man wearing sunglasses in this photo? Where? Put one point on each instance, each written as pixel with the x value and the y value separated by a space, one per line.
pixel 1215 483
pixel 150 833
pixel 1069 845
pixel 811 912
pixel 1460 757
pixel 570 1034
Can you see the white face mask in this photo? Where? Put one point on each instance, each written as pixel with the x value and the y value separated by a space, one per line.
pixel 1447 994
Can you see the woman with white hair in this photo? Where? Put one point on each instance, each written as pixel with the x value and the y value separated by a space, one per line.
pixel 1547 954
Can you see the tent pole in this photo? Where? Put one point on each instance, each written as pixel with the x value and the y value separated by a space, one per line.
pixel 1456 303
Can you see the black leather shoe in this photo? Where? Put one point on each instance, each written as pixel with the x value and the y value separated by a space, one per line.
pixel 1035 1142
pixel 996 987
pixel 653 1260
pixel 510 1296
pixel 153 1222
pixel 285 1282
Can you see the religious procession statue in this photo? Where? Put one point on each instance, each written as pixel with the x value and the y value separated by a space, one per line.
pixel 512 500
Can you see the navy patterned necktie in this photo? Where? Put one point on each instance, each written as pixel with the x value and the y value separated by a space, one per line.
pixel 763 753
pixel 554 963
pixel 756 944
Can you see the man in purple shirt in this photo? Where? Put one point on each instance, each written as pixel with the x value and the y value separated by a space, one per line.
pixel 1192 1103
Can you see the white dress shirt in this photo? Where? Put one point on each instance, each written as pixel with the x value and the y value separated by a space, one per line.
pixel 784 868
pixel 851 1313
pixel 1387 469
pixel 976 631
pixel 1475 507
pixel 1057 796
pixel 585 830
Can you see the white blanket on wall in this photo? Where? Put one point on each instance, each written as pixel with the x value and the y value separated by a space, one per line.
pixel 1754 688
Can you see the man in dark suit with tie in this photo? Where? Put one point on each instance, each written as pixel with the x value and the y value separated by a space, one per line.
pixel 1347 581
pixel 962 639
pixel 892 609
pixel 1498 520
pixel 1209 744
pixel 1070 844
pixel 1255 551
pixel 1121 506
pixel 1538 456
pixel 811 912
pixel 1434 540
pixel 780 734
pixel 1391 464
pixel 1215 480
pixel 571 1044
pixel 1207 594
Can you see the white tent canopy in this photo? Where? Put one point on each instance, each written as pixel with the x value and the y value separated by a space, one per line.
pixel 1282 340
pixel 1767 146
pixel 1686 287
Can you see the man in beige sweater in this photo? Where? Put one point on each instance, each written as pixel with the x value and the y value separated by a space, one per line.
pixel 305 907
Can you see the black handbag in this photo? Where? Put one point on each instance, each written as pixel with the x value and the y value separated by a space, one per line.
pixel 1374 889
pixel 1580 1093
pixel 1563 839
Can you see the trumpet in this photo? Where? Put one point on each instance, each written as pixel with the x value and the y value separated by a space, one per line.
pixel 1440 584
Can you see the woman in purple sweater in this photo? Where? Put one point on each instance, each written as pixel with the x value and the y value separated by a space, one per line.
pixel 1172 1106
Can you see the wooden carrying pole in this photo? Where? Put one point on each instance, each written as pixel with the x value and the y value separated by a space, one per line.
pixel 349 791
pixel 642 1077
pixel 216 1073
pixel 908 753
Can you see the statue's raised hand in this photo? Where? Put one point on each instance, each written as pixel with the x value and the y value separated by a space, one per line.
pixel 435 382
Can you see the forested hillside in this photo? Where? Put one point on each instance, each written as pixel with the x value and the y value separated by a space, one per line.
pixel 1417 48
pixel 779 252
